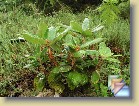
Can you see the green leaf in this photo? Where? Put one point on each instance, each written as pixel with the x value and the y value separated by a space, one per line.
pixel 97 28
pixel 54 82
pixel 113 60
pixel 52 77
pixel 60 69
pixel 68 38
pixel 37 49
pixel 95 77
pixel 104 50
pixel 75 26
pixel 87 33
pixel 104 90
pixel 95 61
pixel 85 24
pixel 33 39
pixel 42 31
pixel 96 86
pixel 39 82
pixel 70 45
pixel 51 33
pixel 76 40
pixel 56 47
pixel 58 87
pixel 37 52
pixel 97 40
pixel 84 79
pixel 60 36
pixel 79 53
pixel 91 52
pixel 75 78
pixel 71 39
pixel 117 55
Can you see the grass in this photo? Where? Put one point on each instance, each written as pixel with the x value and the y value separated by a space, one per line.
pixel 16 80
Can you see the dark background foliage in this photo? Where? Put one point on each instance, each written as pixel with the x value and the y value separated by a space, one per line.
pixel 49 6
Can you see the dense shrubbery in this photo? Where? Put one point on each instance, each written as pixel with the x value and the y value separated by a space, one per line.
pixel 64 58
pixel 69 56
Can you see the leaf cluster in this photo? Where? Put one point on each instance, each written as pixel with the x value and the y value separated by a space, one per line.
pixel 68 55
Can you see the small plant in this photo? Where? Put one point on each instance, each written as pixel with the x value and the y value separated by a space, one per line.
pixel 68 56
